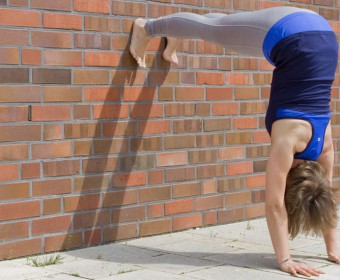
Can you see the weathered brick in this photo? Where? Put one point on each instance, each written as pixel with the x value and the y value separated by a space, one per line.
pixel 62 5
pixel 17 17
pixel 51 76
pixel 62 21
pixel 91 41
pixel 62 58
pixel 92 6
pixel 14 191
pixel 51 187
pixel 19 210
pixel 14 75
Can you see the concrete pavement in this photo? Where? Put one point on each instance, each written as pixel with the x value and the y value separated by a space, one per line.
pixel 235 251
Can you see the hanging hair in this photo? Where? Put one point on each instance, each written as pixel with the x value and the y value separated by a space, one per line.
pixel 309 200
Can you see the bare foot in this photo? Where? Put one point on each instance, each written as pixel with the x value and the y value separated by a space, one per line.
pixel 169 53
pixel 139 41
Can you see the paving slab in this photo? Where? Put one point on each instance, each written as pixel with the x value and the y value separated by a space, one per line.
pixel 233 251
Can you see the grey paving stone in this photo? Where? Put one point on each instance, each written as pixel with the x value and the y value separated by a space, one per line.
pixel 146 274
pixel 176 264
pixel 235 273
pixel 89 268
pixel 119 253
pixel 10 270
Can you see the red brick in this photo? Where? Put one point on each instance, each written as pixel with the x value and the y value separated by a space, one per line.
pixel 186 189
pixel 62 94
pixel 209 187
pixel 120 232
pixel 31 56
pixel 129 179
pixel 102 24
pixel 51 225
pixel 13 152
pixel 20 249
pixel 62 58
pixel 92 237
pixel 51 187
pixel 155 177
pixel 239 168
pixel 256 181
pixel 20 133
pixel 154 127
pixel 102 94
pixel 13 114
pixel 52 150
pixel 255 211
pixel 96 165
pixel 179 206
pixel 155 227
pixel 78 203
pixel 92 220
pixel 186 222
pixel 210 78
pixel 108 59
pixel 134 213
pixel 209 202
pixel 231 153
pixel 62 5
pixel 19 210
pixel 51 39
pixel 81 130
pixel 51 112
pixel 261 137
pixel 63 21
pixel 61 168
pixel 92 6
pixel 9 56
pixel 9 172
pixel 239 79
pixel 63 242
pixel 14 191
pixel 219 93
pixel 30 170
pixel 91 77
pixel 120 198
pixel 53 132
pixel 51 206
pixel 19 18
pixel 155 210
pixel 209 218
pixel 227 216
pixel 145 111
pixel 245 123
pixel 129 8
pixel 19 94
pixel 154 194
pixel 14 230
pixel 171 159
pixel 222 109
pixel 239 198
pixel 13 37
pixel 180 174
pixel 210 171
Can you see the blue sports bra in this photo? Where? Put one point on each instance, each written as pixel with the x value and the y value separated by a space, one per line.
pixel 318 123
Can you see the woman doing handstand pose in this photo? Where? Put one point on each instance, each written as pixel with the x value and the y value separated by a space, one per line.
pixel 304 50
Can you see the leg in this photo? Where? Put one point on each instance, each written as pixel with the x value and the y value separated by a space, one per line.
pixel 242 32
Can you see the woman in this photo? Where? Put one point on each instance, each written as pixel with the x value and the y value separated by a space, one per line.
pixel 303 48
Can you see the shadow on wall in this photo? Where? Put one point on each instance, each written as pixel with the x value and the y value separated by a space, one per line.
pixel 113 162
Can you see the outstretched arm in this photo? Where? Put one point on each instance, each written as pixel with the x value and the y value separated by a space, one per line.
pixel 279 163
pixel 326 160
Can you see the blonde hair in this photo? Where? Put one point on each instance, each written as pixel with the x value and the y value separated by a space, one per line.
pixel 309 200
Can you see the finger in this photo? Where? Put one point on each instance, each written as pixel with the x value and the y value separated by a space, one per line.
pixel 304 272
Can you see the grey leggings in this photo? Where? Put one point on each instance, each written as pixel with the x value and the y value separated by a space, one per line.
pixel 241 32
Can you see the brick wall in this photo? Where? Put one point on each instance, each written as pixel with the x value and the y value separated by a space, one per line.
pixel 94 150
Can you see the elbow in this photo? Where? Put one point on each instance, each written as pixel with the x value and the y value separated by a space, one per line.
pixel 274 208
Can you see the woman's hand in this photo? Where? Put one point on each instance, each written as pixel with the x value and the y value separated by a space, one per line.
pixel 296 268
pixel 334 258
